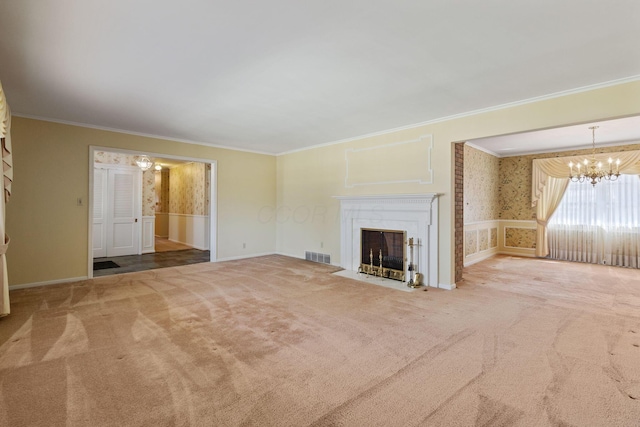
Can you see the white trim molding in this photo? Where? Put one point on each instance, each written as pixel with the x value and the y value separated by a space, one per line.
pixel 236 258
pixel 48 282
pixel 148 240
pixel 515 250
pixel 417 214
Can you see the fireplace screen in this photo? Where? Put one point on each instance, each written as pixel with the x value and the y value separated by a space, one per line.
pixel 383 253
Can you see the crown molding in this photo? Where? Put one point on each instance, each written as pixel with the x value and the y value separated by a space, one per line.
pixel 145 135
pixel 476 112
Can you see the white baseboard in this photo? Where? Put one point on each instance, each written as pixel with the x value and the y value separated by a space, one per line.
pixel 235 258
pixel 475 258
pixel 531 254
pixel 47 283
pixel 447 287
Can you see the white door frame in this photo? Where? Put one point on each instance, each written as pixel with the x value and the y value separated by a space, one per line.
pixel 213 198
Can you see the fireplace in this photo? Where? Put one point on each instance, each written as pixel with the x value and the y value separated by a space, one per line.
pixel 416 215
pixel 382 253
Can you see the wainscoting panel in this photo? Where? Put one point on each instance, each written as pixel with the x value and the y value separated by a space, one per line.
pixel 480 241
pixel 148 234
pixel 192 230
pixel 517 237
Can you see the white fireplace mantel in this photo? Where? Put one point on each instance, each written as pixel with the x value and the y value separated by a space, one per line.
pixel 417 214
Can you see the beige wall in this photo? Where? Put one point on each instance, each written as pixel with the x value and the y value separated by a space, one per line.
pixel 49 231
pixel 307 180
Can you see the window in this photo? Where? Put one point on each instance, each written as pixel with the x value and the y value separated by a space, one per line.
pixel 610 205
pixel 598 224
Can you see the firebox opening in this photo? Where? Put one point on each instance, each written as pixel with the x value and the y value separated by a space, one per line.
pixel 383 253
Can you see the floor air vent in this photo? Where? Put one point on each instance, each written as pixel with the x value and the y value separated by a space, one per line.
pixel 317 257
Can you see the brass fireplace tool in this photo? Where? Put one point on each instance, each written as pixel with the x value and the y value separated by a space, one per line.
pixel 414 277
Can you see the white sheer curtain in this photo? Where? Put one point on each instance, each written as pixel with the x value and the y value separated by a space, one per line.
pixel 598 224
pixel 551 197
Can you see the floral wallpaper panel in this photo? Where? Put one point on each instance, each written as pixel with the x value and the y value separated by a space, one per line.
pixel 481 178
pixel 494 237
pixel 148 193
pixel 187 189
pixel 162 190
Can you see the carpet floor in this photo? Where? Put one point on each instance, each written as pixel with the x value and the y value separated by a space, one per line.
pixel 276 341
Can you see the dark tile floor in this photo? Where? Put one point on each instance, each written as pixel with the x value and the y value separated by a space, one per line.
pixel 131 263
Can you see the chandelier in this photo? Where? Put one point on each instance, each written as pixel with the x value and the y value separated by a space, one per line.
pixel 144 163
pixel 593 171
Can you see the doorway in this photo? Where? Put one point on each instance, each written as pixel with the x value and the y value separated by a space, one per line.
pixel 141 255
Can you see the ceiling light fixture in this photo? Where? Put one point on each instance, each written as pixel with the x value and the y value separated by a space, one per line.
pixel 158 167
pixel 144 163
pixel 593 171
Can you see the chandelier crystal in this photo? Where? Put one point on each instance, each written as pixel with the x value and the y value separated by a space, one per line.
pixel 591 170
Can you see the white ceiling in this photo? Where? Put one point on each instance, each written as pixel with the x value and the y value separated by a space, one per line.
pixel 281 75
pixel 611 132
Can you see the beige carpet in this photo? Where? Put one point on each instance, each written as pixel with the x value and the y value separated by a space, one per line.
pixel 275 341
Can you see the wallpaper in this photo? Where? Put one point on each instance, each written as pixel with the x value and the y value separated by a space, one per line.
pixel 481 178
pixel 162 190
pixel 148 179
pixel 514 194
pixel 187 186
pixel 110 158
pixel 494 237
pixel 148 193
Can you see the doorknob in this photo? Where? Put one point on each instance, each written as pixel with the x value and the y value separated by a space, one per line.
pixel 136 219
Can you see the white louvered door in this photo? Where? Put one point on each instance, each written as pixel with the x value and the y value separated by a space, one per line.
pixel 123 212
pixel 99 213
